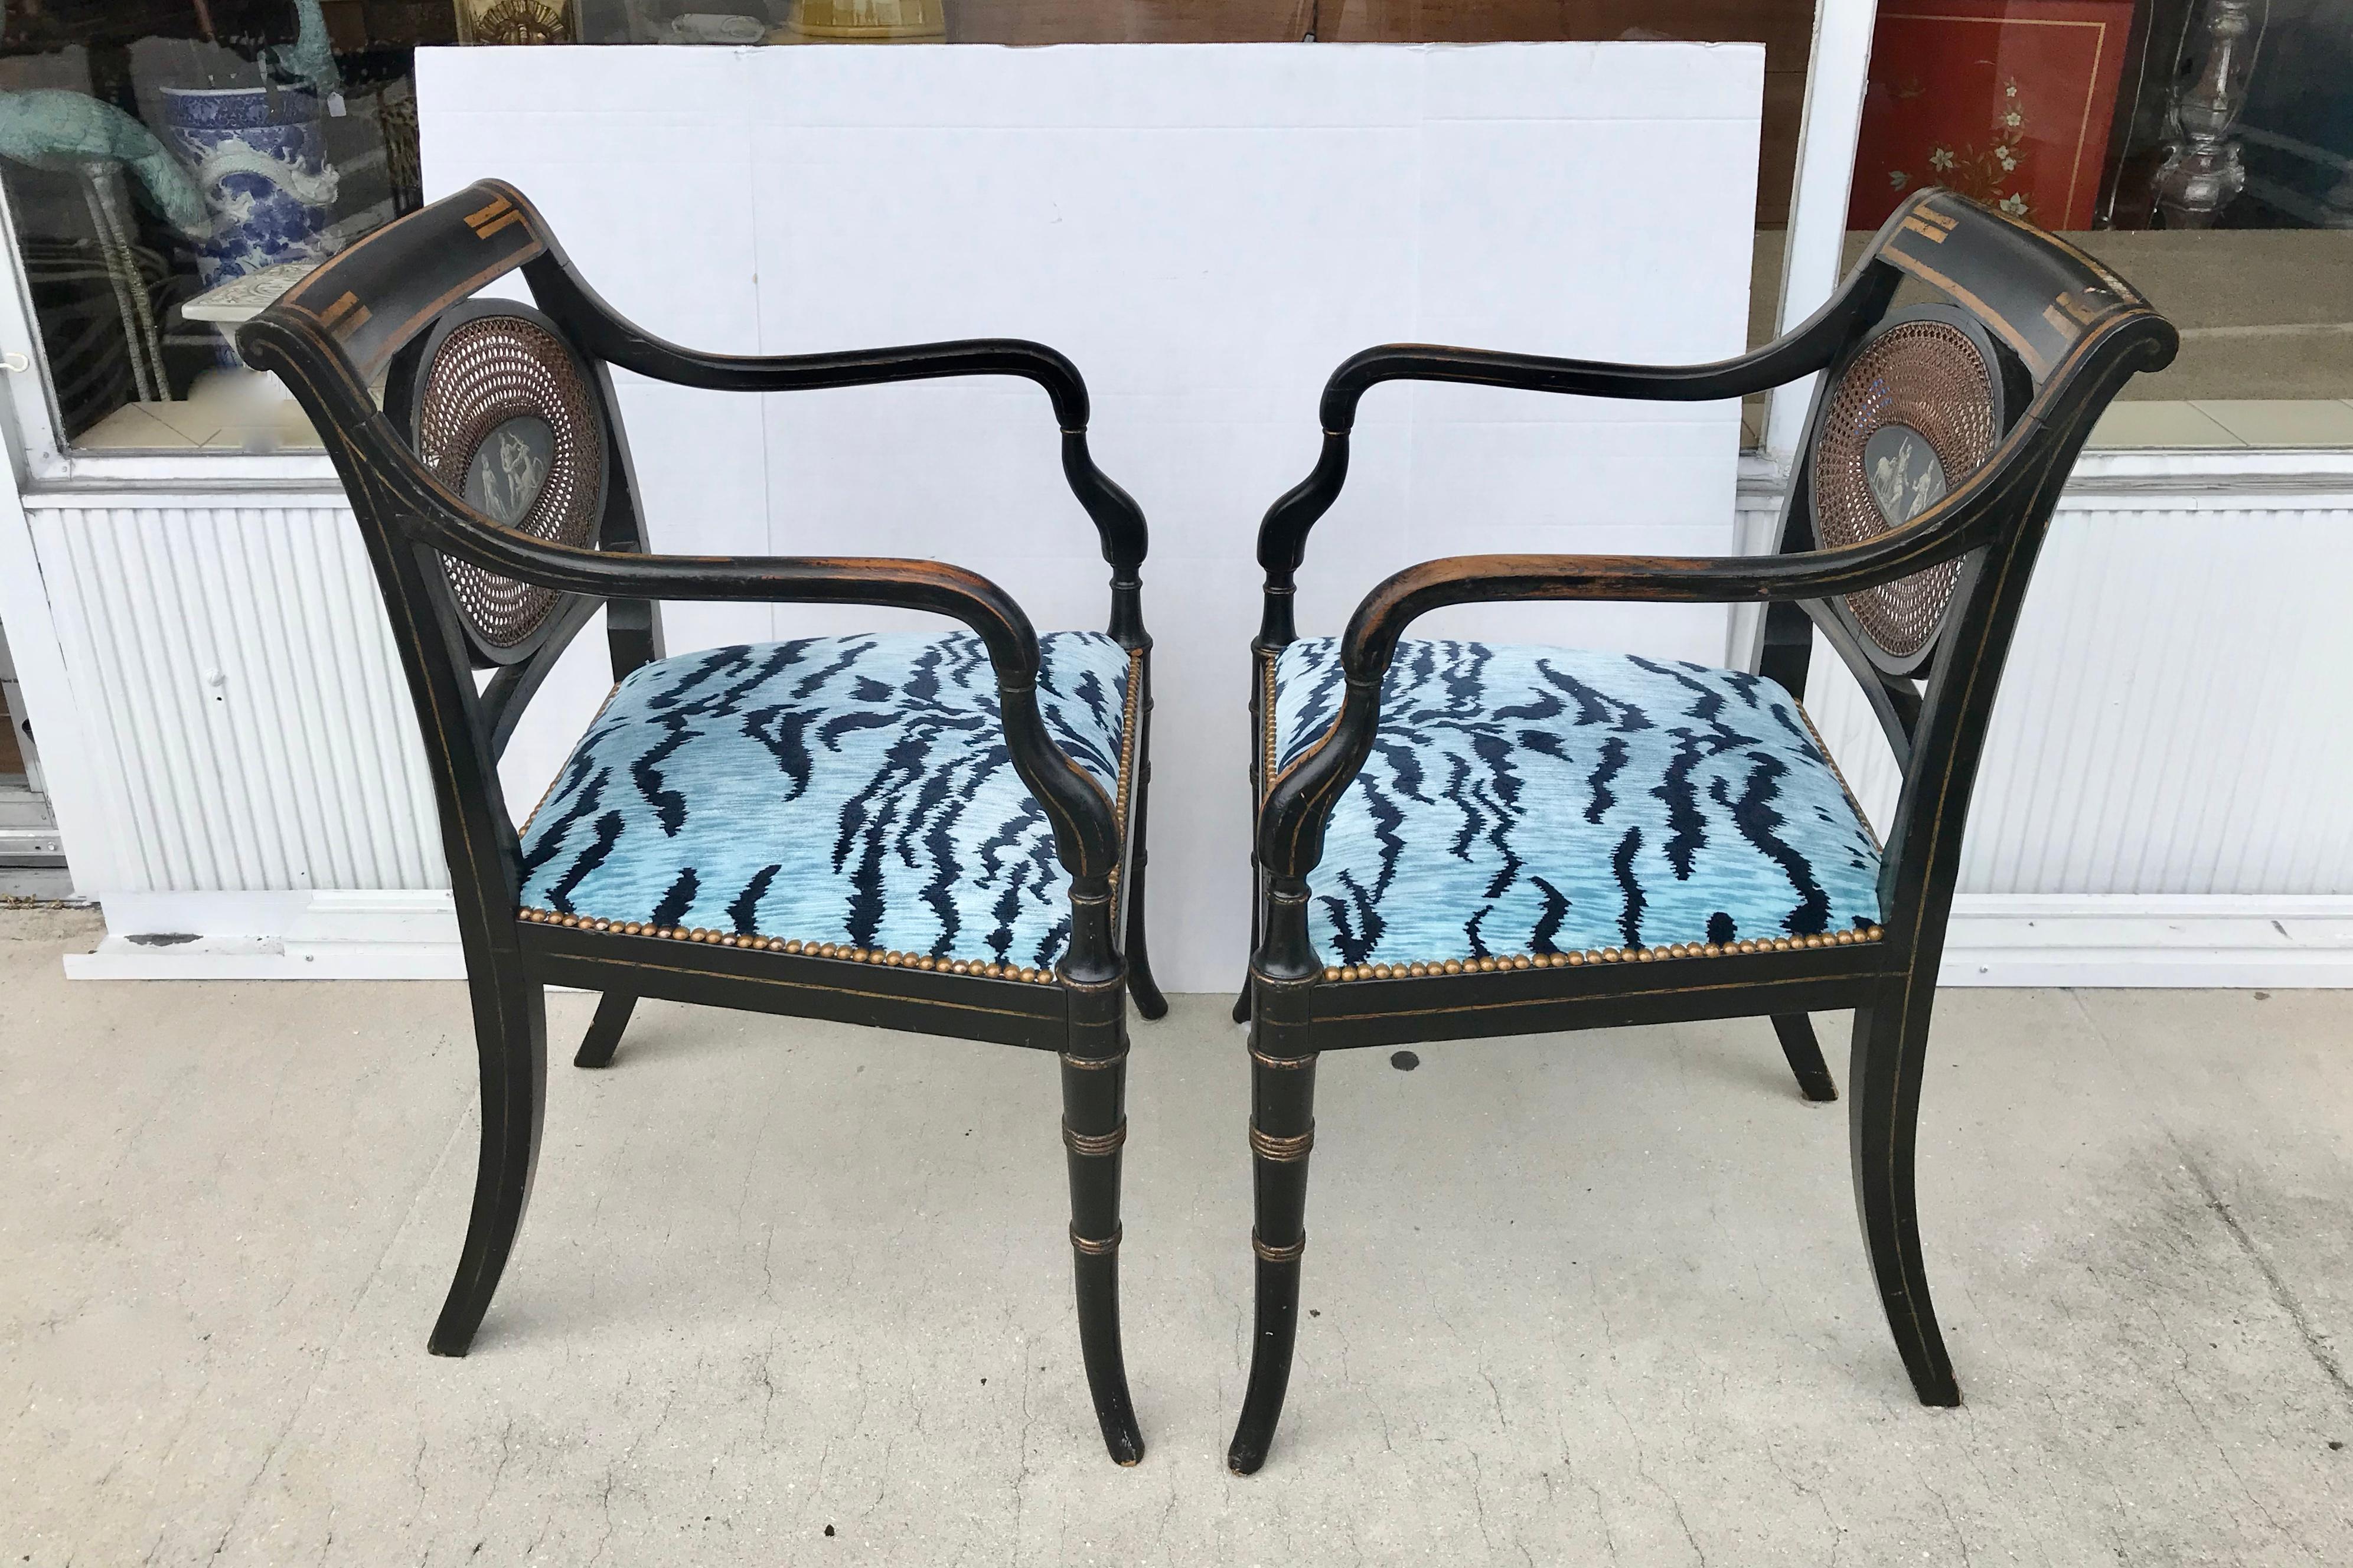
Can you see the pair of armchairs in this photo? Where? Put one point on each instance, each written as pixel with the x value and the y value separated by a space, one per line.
pixel 946 834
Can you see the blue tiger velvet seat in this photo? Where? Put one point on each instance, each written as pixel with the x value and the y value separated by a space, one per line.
pixel 851 791
pixel 1534 801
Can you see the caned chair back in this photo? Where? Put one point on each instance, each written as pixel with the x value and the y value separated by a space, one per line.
pixel 1917 409
pixel 1918 405
pixel 501 408
pixel 490 400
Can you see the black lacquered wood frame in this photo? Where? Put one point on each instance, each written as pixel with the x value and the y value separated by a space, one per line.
pixel 367 313
pixel 2067 328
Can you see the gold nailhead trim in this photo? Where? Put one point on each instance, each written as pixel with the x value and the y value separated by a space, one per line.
pixel 1266 723
pixel 1424 968
pixel 1848 790
pixel 1418 969
pixel 753 941
pixel 1127 755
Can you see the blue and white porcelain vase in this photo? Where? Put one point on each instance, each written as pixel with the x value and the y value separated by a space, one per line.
pixel 260 159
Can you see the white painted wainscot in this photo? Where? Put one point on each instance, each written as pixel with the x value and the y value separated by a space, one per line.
pixel 2163 803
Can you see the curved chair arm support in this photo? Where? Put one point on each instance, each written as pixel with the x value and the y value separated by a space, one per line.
pixel 1085 834
pixel 511 687
pixel 1807 348
pixel 605 334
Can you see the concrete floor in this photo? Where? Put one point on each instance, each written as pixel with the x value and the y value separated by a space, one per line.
pixel 796 1293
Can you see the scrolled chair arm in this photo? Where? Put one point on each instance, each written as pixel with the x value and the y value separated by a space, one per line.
pixel 1085 834
pixel 1300 801
pixel 1806 348
pixel 607 334
pixel 373 458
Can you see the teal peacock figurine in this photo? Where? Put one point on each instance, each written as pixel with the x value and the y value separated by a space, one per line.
pixel 309 59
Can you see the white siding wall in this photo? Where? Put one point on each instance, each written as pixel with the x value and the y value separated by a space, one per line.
pixel 2173 719
pixel 2171 747
pixel 238 684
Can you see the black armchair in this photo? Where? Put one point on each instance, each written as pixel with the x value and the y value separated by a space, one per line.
pixel 1459 839
pixel 924 833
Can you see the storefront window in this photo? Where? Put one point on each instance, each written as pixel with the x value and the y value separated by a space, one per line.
pixel 171 166
pixel 166 162
pixel 2203 148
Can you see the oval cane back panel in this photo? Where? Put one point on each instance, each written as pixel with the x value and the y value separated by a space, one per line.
pixel 1916 413
pixel 507 419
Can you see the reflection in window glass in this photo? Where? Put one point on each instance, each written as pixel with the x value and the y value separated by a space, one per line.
pixel 171 166
pixel 2204 148
pixel 167 162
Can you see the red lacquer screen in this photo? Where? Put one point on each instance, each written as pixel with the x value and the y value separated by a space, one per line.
pixel 2006 101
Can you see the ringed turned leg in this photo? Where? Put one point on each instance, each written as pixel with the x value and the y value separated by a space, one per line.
pixel 1797 1044
pixel 604 1034
pixel 510 1041
pixel 1891 1038
pixel 1282 1131
pixel 1094 1126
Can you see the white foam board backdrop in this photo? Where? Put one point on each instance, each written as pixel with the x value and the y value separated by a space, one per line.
pixel 1207 231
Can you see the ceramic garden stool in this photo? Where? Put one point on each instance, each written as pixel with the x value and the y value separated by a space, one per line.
pixel 940 833
pixel 1463 838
